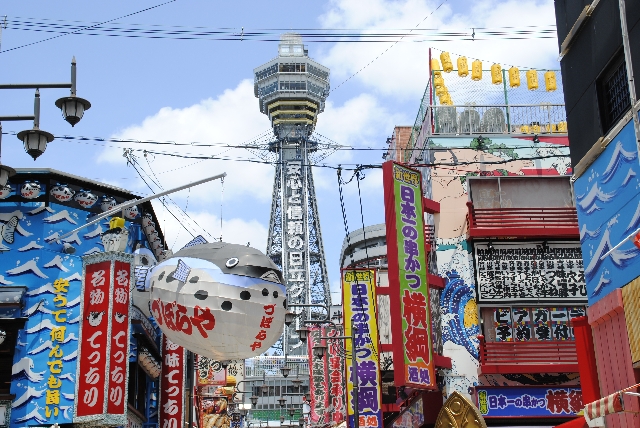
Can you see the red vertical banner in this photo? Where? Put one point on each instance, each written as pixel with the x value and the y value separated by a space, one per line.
pixel 172 385
pixel 92 351
pixel 118 357
pixel 318 385
pixel 335 366
pixel 103 351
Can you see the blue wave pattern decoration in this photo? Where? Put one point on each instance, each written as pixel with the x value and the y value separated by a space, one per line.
pixel 31 255
pixel 608 205
pixel 454 300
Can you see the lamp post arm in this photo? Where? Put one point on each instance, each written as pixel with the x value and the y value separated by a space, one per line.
pixel 35 85
pixel 15 118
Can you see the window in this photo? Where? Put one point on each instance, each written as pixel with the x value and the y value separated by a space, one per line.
pixel 293 86
pixel 137 395
pixel 613 93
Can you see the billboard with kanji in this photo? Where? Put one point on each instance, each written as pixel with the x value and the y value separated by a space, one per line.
pixel 531 401
pixel 408 270
pixel 359 300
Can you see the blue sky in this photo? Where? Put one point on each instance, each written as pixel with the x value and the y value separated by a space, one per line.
pixel 201 90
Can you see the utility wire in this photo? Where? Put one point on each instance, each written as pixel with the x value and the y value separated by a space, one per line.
pixel 88 27
pixel 385 51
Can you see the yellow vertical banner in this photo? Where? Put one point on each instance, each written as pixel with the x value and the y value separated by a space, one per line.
pixel 359 301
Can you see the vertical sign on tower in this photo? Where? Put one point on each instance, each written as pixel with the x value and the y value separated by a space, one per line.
pixel 409 297
pixel 359 300
pixel 101 379
pixel 172 385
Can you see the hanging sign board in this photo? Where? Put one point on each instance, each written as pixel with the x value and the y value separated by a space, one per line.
pixel 408 270
pixel 103 369
pixel 359 299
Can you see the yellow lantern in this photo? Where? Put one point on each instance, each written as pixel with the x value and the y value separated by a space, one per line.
pixel 446 99
pixel 438 82
pixel 435 65
pixel 496 74
pixel 550 81
pixel 441 91
pixel 562 127
pixel 535 128
pixel 463 68
pixel 447 65
pixel 532 80
pixel 524 129
pixel 476 70
pixel 514 77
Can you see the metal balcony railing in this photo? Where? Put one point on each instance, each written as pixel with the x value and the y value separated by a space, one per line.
pixel 523 222
pixel 533 119
pixel 528 357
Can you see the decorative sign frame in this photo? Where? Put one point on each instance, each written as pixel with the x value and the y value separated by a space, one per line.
pixel 408 277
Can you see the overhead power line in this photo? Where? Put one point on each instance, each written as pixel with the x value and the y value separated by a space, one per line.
pixel 325 35
pixel 88 27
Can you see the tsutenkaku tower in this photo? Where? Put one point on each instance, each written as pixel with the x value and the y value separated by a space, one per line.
pixel 292 89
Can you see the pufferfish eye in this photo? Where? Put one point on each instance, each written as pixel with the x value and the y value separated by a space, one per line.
pixel 232 262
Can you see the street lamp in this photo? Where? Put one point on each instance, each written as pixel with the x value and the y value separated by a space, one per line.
pixel 301 422
pixel 282 419
pixel 35 140
pixel 282 401
pixel 254 399
pixel 292 411
pixel 285 370
pixel 73 107
pixel 319 351
pixel 303 333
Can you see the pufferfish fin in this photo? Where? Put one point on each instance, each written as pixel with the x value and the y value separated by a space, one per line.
pixel 271 277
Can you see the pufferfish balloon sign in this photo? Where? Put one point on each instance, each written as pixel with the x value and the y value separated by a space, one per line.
pixel 219 300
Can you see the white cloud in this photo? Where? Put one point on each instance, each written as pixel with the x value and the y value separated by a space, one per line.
pixel 231 118
pixel 403 70
pixel 234 230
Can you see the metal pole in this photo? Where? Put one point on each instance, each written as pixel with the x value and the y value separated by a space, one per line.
pixel 16 118
pixel 630 79
pixel 133 202
pixel 36 110
pixel 34 85
pixel 354 373
pixel 73 80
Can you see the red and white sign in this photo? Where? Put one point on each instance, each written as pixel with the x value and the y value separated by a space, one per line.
pixel 335 364
pixel 118 360
pixel 172 385
pixel 103 369
pixel 94 331
pixel 318 386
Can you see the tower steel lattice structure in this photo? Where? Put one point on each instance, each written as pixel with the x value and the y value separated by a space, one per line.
pixel 292 89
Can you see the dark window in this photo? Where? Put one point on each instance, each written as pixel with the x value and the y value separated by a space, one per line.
pixel 137 394
pixel 613 93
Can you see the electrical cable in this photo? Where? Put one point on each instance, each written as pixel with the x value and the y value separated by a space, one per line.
pixel 372 61
pixel 86 28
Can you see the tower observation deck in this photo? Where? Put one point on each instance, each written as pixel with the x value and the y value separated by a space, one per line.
pixel 291 90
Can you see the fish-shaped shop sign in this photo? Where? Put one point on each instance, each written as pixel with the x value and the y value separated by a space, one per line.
pixel 85 198
pixel 62 193
pixel 30 189
pixel 222 301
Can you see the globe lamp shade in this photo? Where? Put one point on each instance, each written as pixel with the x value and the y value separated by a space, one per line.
pixel 35 141
pixel 73 108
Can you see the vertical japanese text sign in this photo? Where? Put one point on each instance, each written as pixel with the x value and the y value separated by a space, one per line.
pixel 318 385
pixel 359 300
pixel 172 385
pixel 335 365
pixel 101 379
pixel 409 297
